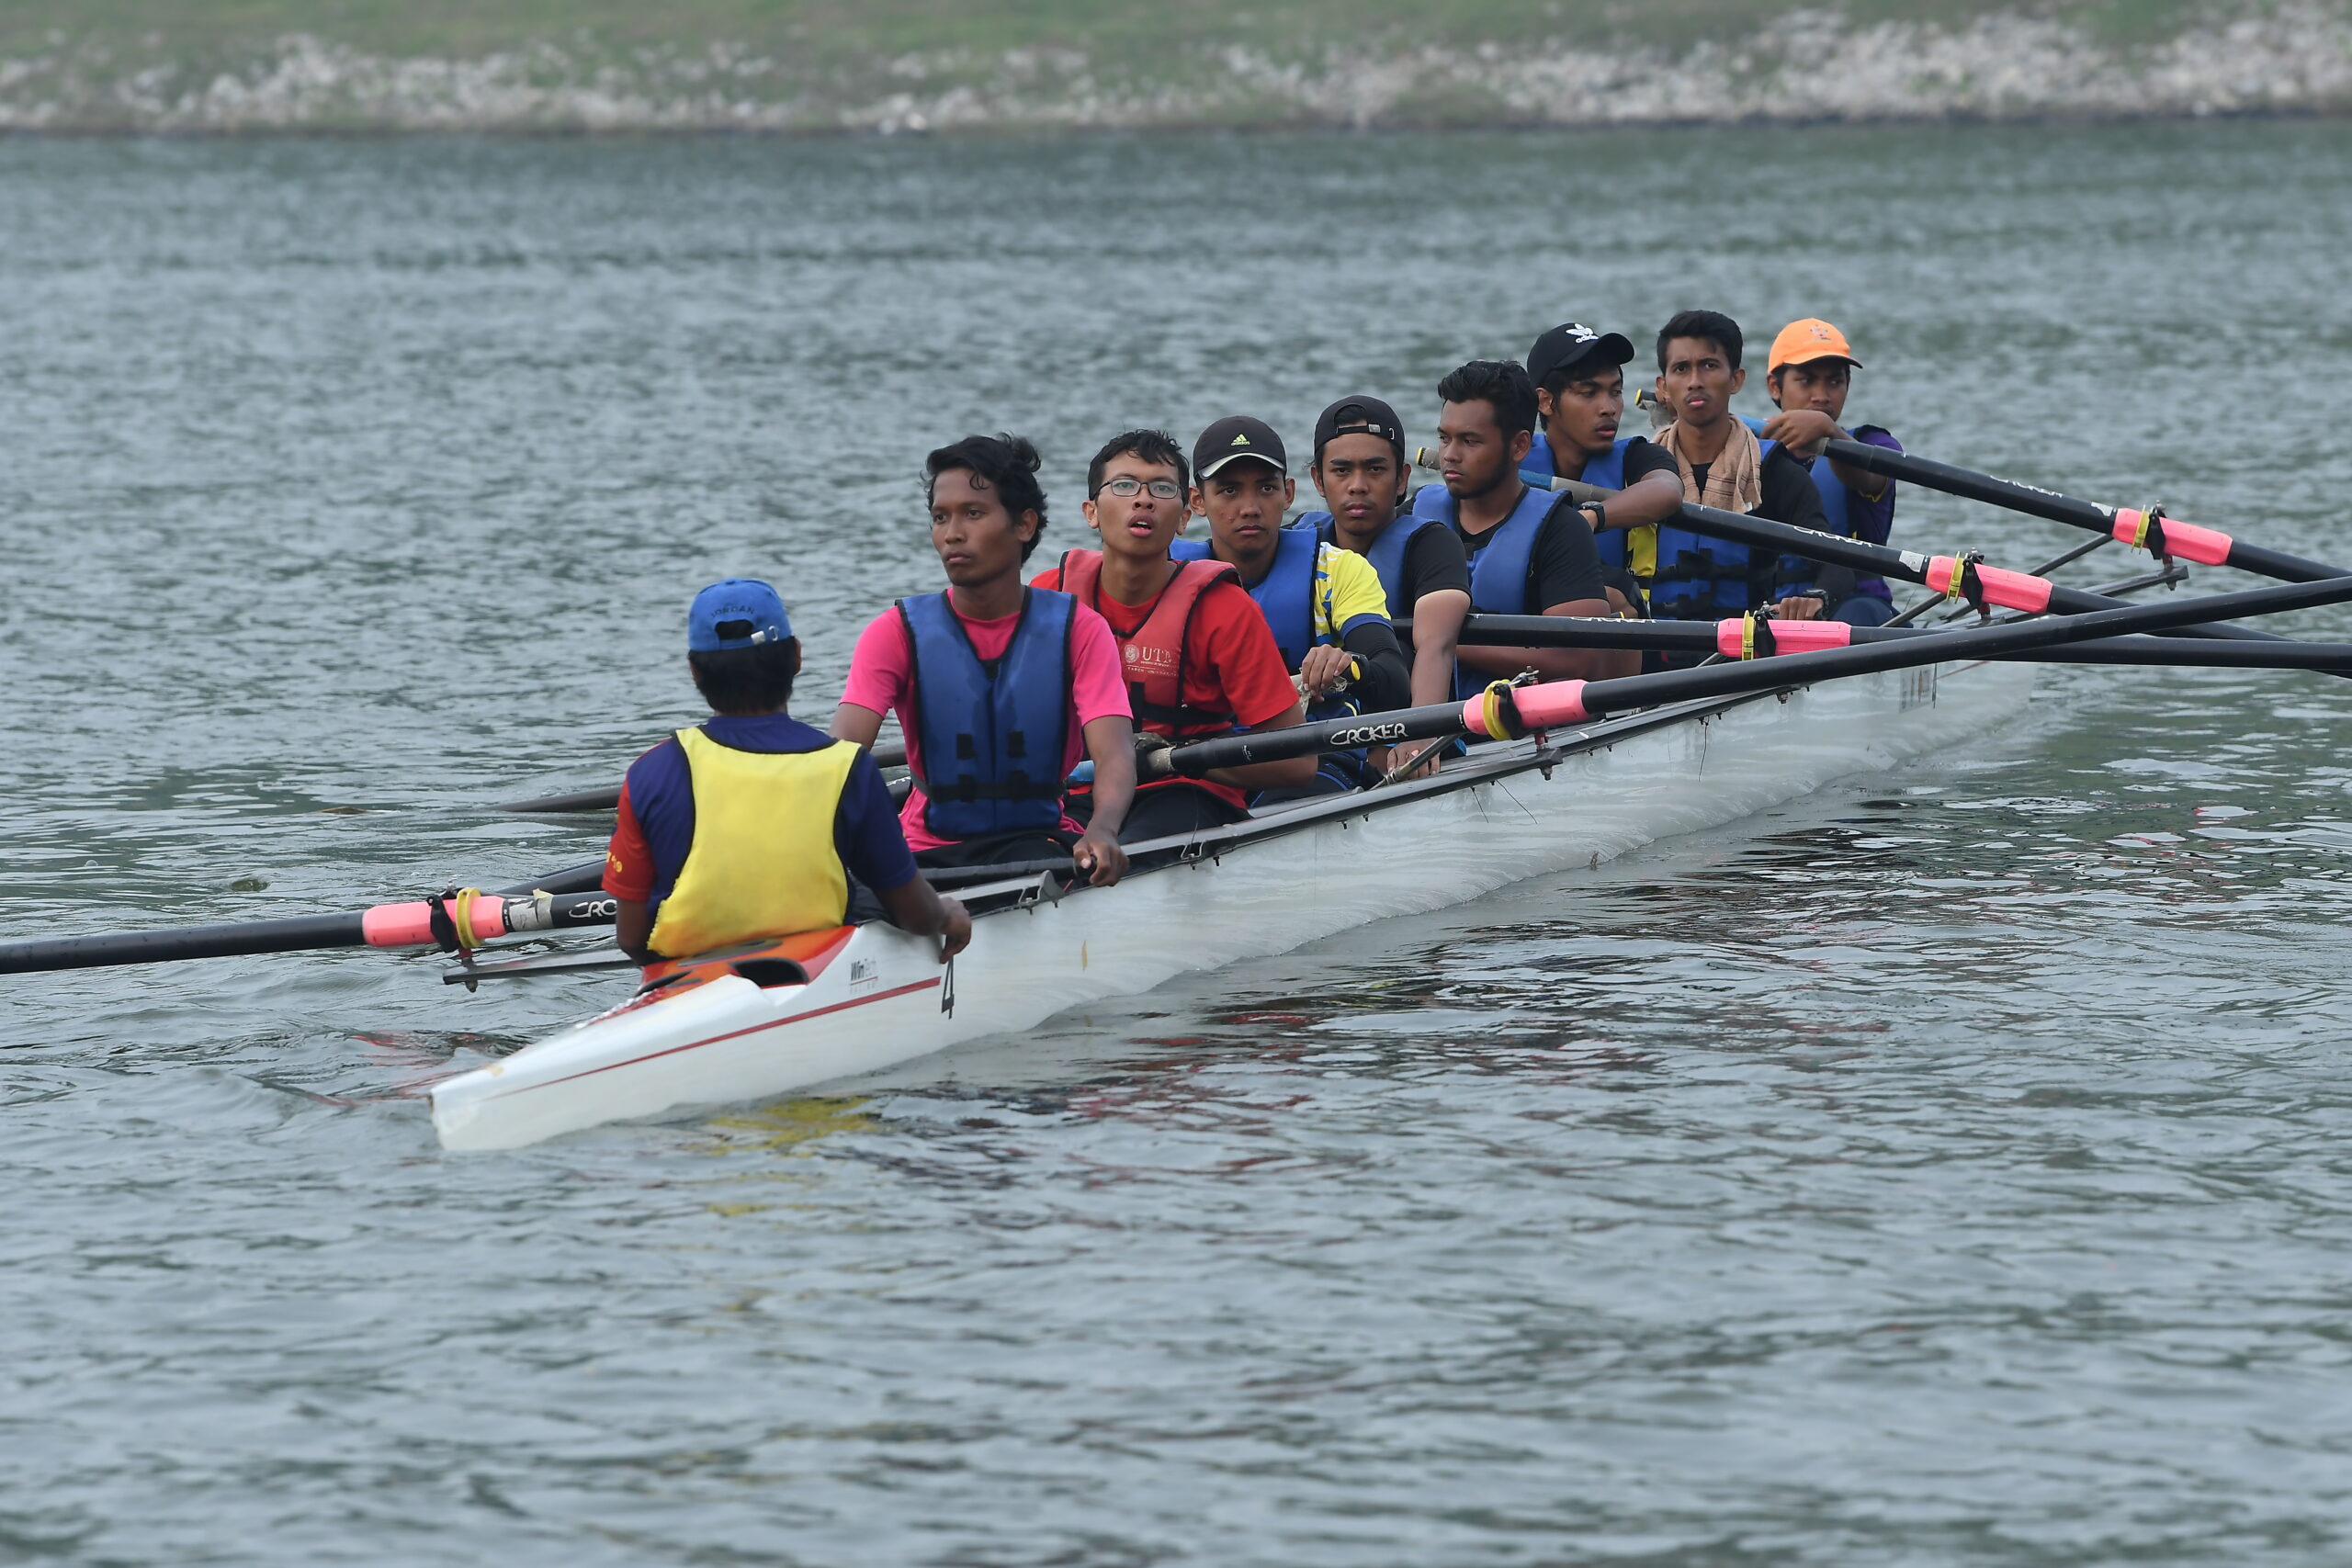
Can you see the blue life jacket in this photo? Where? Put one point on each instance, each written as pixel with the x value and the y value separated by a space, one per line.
pixel 991 733
pixel 1840 508
pixel 1704 579
pixel 1285 595
pixel 1607 471
pixel 1387 552
pixel 1499 573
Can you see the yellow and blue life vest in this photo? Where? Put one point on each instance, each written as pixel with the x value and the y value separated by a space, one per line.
pixel 991 734
pixel 763 861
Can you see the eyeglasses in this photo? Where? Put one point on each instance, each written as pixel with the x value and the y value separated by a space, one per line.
pixel 1127 489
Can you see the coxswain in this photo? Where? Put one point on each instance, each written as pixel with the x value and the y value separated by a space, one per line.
pixel 1722 464
pixel 1324 604
pixel 1198 658
pixel 752 825
pixel 1808 373
pixel 1531 550
pixel 1360 473
pixel 1579 376
pixel 1000 690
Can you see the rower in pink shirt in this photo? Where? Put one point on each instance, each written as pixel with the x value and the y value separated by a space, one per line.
pixel 1001 688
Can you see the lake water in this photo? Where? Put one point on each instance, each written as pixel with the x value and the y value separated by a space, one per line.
pixel 1946 1168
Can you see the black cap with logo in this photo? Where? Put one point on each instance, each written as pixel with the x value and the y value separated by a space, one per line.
pixel 1359 416
pixel 1572 343
pixel 1234 437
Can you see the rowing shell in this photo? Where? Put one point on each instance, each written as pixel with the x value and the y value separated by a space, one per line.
pixel 773 1018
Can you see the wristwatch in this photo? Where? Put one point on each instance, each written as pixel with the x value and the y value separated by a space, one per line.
pixel 1599 513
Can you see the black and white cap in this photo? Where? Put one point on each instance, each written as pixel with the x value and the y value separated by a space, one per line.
pixel 1571 344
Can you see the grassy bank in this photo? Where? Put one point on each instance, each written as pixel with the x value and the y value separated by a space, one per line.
pixel 928 65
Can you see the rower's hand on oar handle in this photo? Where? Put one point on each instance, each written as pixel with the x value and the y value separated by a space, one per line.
pixel 1100 855
pixel 1801 607
pixel 1154 757
pixel 1802 431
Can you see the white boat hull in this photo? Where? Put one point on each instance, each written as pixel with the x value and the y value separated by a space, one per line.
pixel 880 998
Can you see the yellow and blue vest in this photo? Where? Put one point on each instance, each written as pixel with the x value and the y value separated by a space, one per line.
pixel 763 861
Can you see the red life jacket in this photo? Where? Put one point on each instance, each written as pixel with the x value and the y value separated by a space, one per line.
pixel 1154 659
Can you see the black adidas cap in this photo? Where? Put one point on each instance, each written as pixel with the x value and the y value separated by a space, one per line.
pixel 1234 437
pixel 1359 416
pixel 1572 343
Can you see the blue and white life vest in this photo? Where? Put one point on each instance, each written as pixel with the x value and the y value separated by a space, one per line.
pixel 991 733
pixel 1500 571
pixel 1285 595
pixel 1704 579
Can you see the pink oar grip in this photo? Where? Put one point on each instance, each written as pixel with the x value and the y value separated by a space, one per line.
pixel 1788 636
pixel 397 925
pixel 2013 590
pixel 411 925
pixel 2205 546
pixel 2010 590
pixel 1552 703
pixel 1810 636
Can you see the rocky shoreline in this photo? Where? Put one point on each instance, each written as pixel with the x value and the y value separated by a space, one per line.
pixel 1806 66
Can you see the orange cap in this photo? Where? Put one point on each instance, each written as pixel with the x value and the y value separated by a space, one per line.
pixel 1801 343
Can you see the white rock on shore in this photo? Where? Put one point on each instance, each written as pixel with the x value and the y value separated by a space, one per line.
pixel 1806 66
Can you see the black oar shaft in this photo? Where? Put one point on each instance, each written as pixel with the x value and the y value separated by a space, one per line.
pixel 1760 532
pixel 1883 560
pixel 604 799
pixel 1705 637
pixel 1568 702
pixel 299 933
pixel 586 877
pixel 247 938
pixel 2036 502
pixel 1603 697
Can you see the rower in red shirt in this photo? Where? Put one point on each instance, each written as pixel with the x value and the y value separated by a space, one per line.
pixel 1198 656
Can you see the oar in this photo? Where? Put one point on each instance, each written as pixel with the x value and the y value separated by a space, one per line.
pixel 1753 637
pixel 463 920
pixel 1507 713
pixel 2148 528
pixel 887 754
pixel 586 877
pixel 1958 577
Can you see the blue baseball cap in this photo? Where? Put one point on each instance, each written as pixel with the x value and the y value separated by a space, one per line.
pixel 741 612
